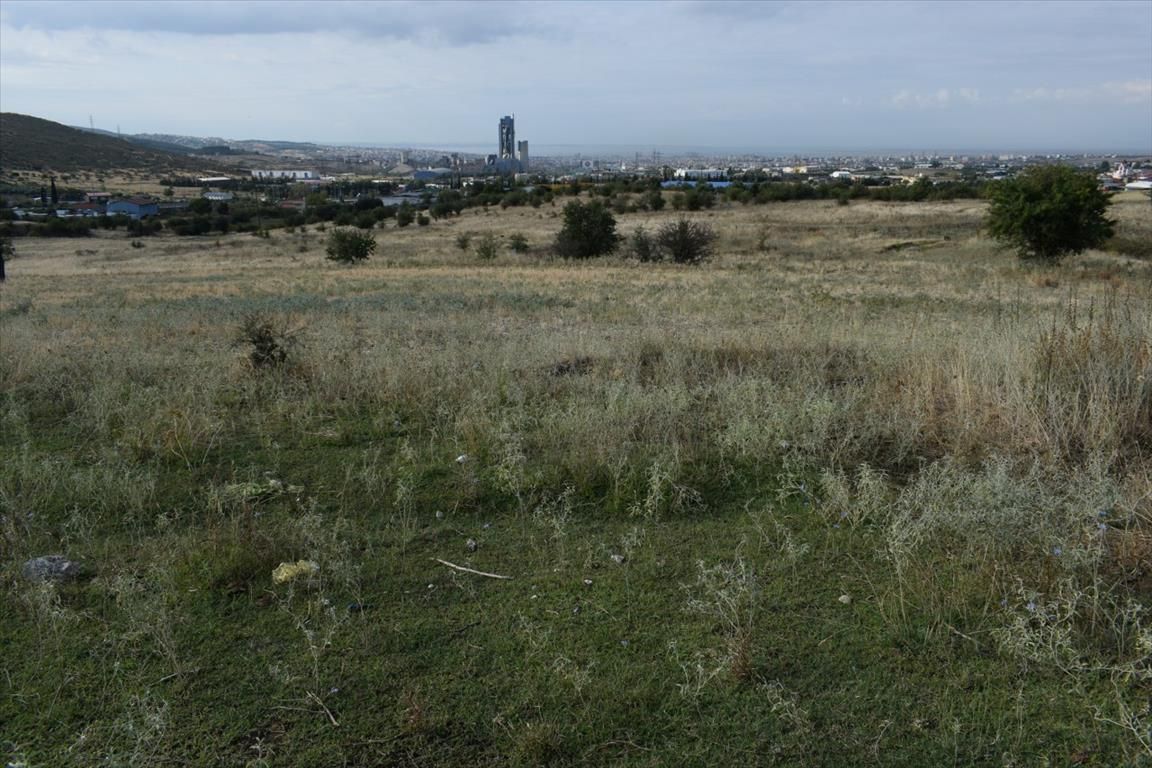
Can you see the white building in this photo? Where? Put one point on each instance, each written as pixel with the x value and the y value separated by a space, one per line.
pixel 294 175
pixel 700 173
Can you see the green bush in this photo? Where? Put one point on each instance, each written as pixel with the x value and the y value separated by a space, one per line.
pixel 1049 212
pixel 349 246
pixel 486 248
pixel 589 230
pixel 404 215
pixel 518 243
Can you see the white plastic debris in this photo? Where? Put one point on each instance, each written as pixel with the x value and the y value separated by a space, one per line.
pixel 286 572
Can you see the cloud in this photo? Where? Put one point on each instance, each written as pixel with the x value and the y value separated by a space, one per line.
pixel 1114 93
pixel 453 24
pixel 941 98
pixel 742 10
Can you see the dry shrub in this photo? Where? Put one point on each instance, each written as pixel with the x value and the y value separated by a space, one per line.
pixel 273 340
pixel 1092 383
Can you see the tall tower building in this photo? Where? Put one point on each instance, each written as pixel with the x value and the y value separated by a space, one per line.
pixel 508 137
pixel 522 155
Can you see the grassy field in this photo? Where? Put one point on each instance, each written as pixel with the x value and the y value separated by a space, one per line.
pixel 861 490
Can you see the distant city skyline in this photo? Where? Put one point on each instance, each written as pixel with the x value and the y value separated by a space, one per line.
pixel 773 77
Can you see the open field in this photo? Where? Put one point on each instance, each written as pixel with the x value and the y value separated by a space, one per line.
pixel 861 490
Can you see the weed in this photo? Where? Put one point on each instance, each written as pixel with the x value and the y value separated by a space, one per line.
pixel 663 495
pixel 730 594
pixel 554 515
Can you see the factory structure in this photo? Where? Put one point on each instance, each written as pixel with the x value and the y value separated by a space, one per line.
pixel 513 155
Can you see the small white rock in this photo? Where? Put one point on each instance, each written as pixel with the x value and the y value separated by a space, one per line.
pixel 845 599
pixel 587 582
pixel 462 458
pixel 439 515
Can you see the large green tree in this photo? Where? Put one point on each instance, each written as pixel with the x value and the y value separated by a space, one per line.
pixel 589 230
pixel 1048 212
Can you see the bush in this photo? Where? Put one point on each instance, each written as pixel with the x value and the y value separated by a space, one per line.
pixel 463 241
pixel 642 247
pixel 486 248
pixel 589 230
pixel 685 241
pixel 272 341
pixel 349 246
pixel 518 243
pixel 1049 212
pixel 422 220
pixel 404 215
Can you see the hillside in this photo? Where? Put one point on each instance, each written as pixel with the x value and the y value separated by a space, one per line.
pixel 31 143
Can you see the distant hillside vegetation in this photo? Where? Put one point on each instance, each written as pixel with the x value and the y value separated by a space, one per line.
pixel 30 143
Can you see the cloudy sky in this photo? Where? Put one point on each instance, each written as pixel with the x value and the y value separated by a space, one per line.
pixel 784 76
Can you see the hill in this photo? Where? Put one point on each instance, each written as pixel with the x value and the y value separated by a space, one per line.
pixel 31 143
pixel 140 140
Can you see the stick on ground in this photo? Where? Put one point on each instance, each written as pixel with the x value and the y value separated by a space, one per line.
pixel 470 570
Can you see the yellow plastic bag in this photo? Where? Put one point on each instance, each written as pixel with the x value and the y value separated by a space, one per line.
pixel 286 572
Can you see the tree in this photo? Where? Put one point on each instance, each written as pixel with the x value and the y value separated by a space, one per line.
pixel 349 246
pixel 1048 212
pixel 589 230
pixel 685 241
pixel 6 253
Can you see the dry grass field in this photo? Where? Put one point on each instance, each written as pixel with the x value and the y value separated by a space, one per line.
pixel 861 489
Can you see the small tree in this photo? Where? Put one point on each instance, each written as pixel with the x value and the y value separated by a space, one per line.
pixel 1048 212
pixel 349 246
pixel 685 241
pixel 589 230
pixel 517 242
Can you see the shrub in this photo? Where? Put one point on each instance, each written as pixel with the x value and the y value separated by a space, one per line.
pixel 1049 212
pixel 404 215
pixel 463 241
pixel 486 248
pixel 589 230
pixel 7 251
pixel 685 241
pixel 518 243
pixel 349 246
pixel 422 220
pixel 642 247
pixel 272 340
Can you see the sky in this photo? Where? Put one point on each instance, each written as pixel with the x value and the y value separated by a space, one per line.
pixel 771 76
